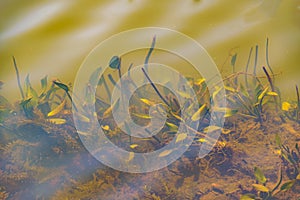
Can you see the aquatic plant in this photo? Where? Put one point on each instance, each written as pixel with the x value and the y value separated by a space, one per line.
pixel 264 192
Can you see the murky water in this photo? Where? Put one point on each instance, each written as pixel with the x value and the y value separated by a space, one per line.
pixel 53 38
pixel 41 159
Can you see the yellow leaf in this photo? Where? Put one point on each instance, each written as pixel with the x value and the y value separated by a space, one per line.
pixel 202 140
pixel 165 153
pixel 286 106
pixel 148 102
pixel 180 137
pixel 272 94
pixel 260 188
pixel 106 128
pixel 133 146
pixel 226 131
pixel 263 93
pixel 143 116
pixel 56 110
pixel 229 89
pixel 196 116
pixel 176 116
pixel 211 129
pixel 172 127
pixel 199 81
pixel 56 120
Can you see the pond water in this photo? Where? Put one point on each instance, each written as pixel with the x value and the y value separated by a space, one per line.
pixel 53 37
pixel 42 156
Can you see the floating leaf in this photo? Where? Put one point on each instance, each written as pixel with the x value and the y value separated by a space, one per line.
pixel 287 185
pixel 57 110
pixel 259 175
pixel 180 137
pixel 200 112
pixel 57 121
pixel 114 62
pixel 133 146
pixel 286 106
pixel 260 188
pixel 165 153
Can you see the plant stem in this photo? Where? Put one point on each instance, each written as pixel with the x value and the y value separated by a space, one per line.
pixel 267 57
pixel 149 53
pixel 155 88
pixel 18 77
pixel 298 101
pixel 247 66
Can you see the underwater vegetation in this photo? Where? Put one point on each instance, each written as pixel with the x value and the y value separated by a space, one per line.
pixel 256 157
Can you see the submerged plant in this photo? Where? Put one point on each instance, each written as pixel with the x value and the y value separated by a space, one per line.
pixel 264 192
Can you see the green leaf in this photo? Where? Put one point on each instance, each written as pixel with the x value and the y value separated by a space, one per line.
pixel 259 175
pixel 114 62
pixel 288 185
pixel 44 83
pixel 62 86
pixel 260 188
pixel 233 59
pixel 29 91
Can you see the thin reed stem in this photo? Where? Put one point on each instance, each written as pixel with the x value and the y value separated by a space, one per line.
pixel 18 77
